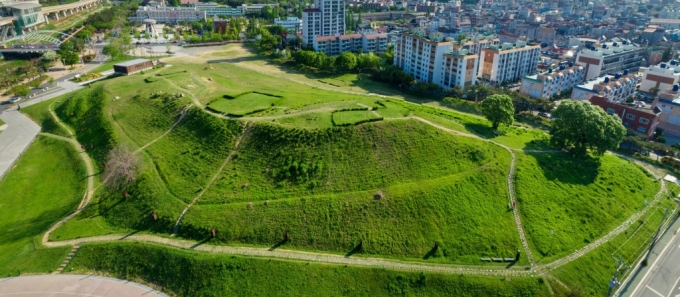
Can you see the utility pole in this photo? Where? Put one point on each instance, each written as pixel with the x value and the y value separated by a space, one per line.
pixel 613 283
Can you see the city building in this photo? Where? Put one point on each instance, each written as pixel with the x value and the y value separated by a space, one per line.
pixel 616 88
pixel 609 58
pixel 460 69
pixel 421 57
pixel 132 66
pixel 661 77
pixel 246 8
pixel 327 18
pixel 335 45
pixel 547 84
pixel 666 23
pixel 638 119
pixel 292 24
pixel 311 26
pixel 476 44
pixel 165 14
pixel 438 62
pixel 669 13
pixel 508 62
pixel 26 14
pixel 668 103
pixel 213 9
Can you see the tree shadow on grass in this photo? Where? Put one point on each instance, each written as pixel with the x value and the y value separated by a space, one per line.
pixel 569 169
pixel 431 253
pixel 278 244
pixel 483 130
pixel 357 249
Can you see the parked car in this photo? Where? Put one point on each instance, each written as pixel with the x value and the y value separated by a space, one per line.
pixel 544 114
pixel 15 99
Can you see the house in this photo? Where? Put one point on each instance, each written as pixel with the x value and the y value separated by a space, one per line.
pixel 638 119
pixel 132 66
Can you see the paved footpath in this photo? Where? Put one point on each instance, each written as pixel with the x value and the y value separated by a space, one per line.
pixel 21 130
pixel 73 286
pixel 18 135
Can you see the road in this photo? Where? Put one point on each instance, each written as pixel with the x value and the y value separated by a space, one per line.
pixel 62 285
pixel 662 277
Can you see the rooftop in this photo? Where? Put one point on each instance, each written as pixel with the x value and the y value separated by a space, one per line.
pixel 132 62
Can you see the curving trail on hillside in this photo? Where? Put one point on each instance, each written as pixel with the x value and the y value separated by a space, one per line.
pixel 534 270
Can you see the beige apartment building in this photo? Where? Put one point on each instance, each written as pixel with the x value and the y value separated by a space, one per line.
pixel 508 62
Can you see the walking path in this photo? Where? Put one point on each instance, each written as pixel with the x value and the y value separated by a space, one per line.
pixel 325 257
pixel 72 286
pixel 246 129
pixel 14 140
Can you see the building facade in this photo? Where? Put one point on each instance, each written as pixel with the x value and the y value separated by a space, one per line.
pixel 292 24
pixel 547 84
pixel 669 104
pixel 661 77
pixel 335 45
pixel 418 56
pixel 639 120
pixel 460 69
pixel 610 58
pixel 508 62
pixel 326 19
pixel 615 88
pixel 164 14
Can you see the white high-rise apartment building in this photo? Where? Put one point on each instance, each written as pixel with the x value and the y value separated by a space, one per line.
pixel 508 62
pixel 327 18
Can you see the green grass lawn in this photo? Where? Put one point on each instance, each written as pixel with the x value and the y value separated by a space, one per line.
pixel 344 118
pixel 580 199
pixel 1 122
pixel 591 273
pixel 198 274
pixel 320 186
pixel 47 184
pixel 40 114
pixel 244 104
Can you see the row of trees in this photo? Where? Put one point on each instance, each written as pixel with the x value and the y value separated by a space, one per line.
pixel 346 61
pixel 578 125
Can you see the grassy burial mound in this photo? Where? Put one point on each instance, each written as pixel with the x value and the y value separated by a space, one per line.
pixel 244 104
pixel 188 273
pixel 354 117
pixel 568 202
pixel 46 185
pixel 398 186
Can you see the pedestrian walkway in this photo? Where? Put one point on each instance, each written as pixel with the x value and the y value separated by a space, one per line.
pixel 21 130
pixel 14 140
pixel 73 286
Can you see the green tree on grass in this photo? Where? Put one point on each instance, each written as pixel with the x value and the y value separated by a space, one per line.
pixel 498 109
pixel 583 126
pixel 346 61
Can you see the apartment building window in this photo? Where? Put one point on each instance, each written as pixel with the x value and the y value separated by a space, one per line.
pixel 630 116
pixel 612 111
pixel 642 129
pixel 644 121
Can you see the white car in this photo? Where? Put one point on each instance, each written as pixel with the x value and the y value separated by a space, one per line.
pixel 15 100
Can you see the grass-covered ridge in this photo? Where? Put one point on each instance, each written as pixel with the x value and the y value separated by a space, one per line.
pixel 28 205
pixel 275 162
pixel 244 104
pixel 580 199
pixel 197 274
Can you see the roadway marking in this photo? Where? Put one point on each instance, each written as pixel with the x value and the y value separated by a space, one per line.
pixel 657 293
pixel 661 255
pixel 673 288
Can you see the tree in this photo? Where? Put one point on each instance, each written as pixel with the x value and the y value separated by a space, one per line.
pixel 110 50
pixel 461 38
pixel 121 168
pixel 477 91
pixel 585 126
pixel 346 61
pixel 498 109
pixel 50 55
pixel 654 90
pixel 667 54
pixel 70 59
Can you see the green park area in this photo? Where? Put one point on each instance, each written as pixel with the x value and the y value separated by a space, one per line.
pixel 45 186
pixel 226 156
